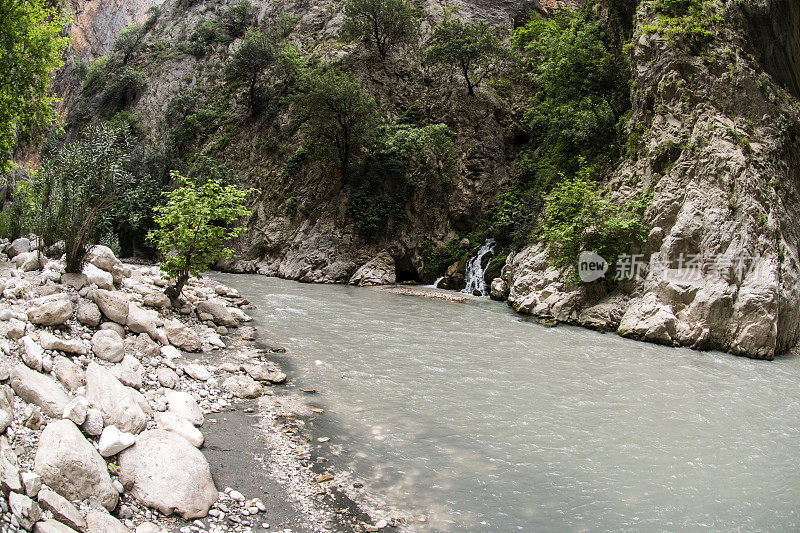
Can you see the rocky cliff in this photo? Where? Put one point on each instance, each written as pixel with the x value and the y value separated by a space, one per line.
pixel 716 132
pixel 720 153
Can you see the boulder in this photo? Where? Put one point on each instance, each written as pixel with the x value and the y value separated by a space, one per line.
pixel 261 372
pixel 128 377
pixel 102 522
pixel 25 510
pixel 141 321
pixel 112 441
pixel 93 425
pixel 113 326
pixel 48 341
pixel 177 424
pixel 144 345
pixel 182 337
pixel 68 373
pixel 113 304
pixel 104 280
pixel 163 471
pixel 218 311
pixel 51 313
pixel 30 261
pixel 71 466
pixel 197 371
pixel 168 378
pixel 89 314
pixel 63 511
pixel 40 390
pixel 19 246
pixel 10 480
pixel 103 258
pixel 16 329
pixel 76 281
pixel 156 299
pixel 32 353
pixel 184 405
pixel 51 526
pixel 32 483
pixel 242 387
pixel 380 270
pixel 118 404
pixel 76 410
pixel 108 346
pixel 498 289
pixel 6 408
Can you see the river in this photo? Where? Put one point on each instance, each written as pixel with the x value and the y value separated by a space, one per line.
pixel 481 420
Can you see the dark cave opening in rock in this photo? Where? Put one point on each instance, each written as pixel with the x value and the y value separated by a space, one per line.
pixel 405 270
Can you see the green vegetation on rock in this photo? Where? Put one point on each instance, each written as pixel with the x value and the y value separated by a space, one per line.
pixel 383 24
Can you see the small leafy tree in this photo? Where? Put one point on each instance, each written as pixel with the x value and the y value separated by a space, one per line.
pixel 31 46
pixel 248 64
pixel 474 48
pixel 130 40
pixel 337 112
pixel 193 226
pixel 75 190
pixel 382 23
pixel 236 19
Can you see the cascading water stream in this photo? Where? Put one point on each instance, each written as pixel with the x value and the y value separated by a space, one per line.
pixel 475 271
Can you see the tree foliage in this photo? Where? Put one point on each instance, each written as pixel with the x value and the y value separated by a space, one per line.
pixel 383 24
pixel 475 49
pixel 249 63
pixel 31 45
pixel 193 227
pixel 578 218
pixel 337 113
pixel 130 40
pixel 72 195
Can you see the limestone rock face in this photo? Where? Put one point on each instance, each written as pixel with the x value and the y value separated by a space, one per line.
pixel 165 472
pixel 117 402
pixel 39 390
pixel 70 465
pixel 380 270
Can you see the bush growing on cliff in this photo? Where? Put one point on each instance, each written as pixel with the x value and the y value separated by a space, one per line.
pixel 235 20
pixel 475 49
pixel 578 218
pixel 690 20
pixel 383 24
pixel 131 39
pixel 32 45
pixel 337 114
pixel 193 227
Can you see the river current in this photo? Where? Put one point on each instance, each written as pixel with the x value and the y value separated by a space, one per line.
pixel 481 420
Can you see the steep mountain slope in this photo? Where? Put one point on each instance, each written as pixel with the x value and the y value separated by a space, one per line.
pixel 713 137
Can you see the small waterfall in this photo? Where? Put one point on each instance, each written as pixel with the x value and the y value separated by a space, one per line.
pixel 475 271
pixel 437 282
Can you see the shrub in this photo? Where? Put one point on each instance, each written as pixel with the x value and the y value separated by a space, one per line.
pixel 473 48
pixel 193 226
pixel 578 219
pixel 123 90
pixel 381 23
pixel 235 20
pixel 75 190
pixel 97 75
pixel 691 20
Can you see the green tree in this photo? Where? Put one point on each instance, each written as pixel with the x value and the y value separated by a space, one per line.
pixel 130 40
pixel 581 91
pixel 31 46
pixel 74 191
pixel 382 23
pixel 474 48
pixel 578 218
pixel 193 226
pixel 337 112
pixel 237 18
pixel 248 64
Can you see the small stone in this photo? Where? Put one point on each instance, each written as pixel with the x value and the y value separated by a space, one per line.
pixel 76 410
pixel 32 483
pixel 112 441
pixel 93 425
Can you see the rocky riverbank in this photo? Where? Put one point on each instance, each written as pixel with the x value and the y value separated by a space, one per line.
pixel 106 392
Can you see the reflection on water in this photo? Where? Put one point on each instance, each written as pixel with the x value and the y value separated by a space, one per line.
pixel 483 421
